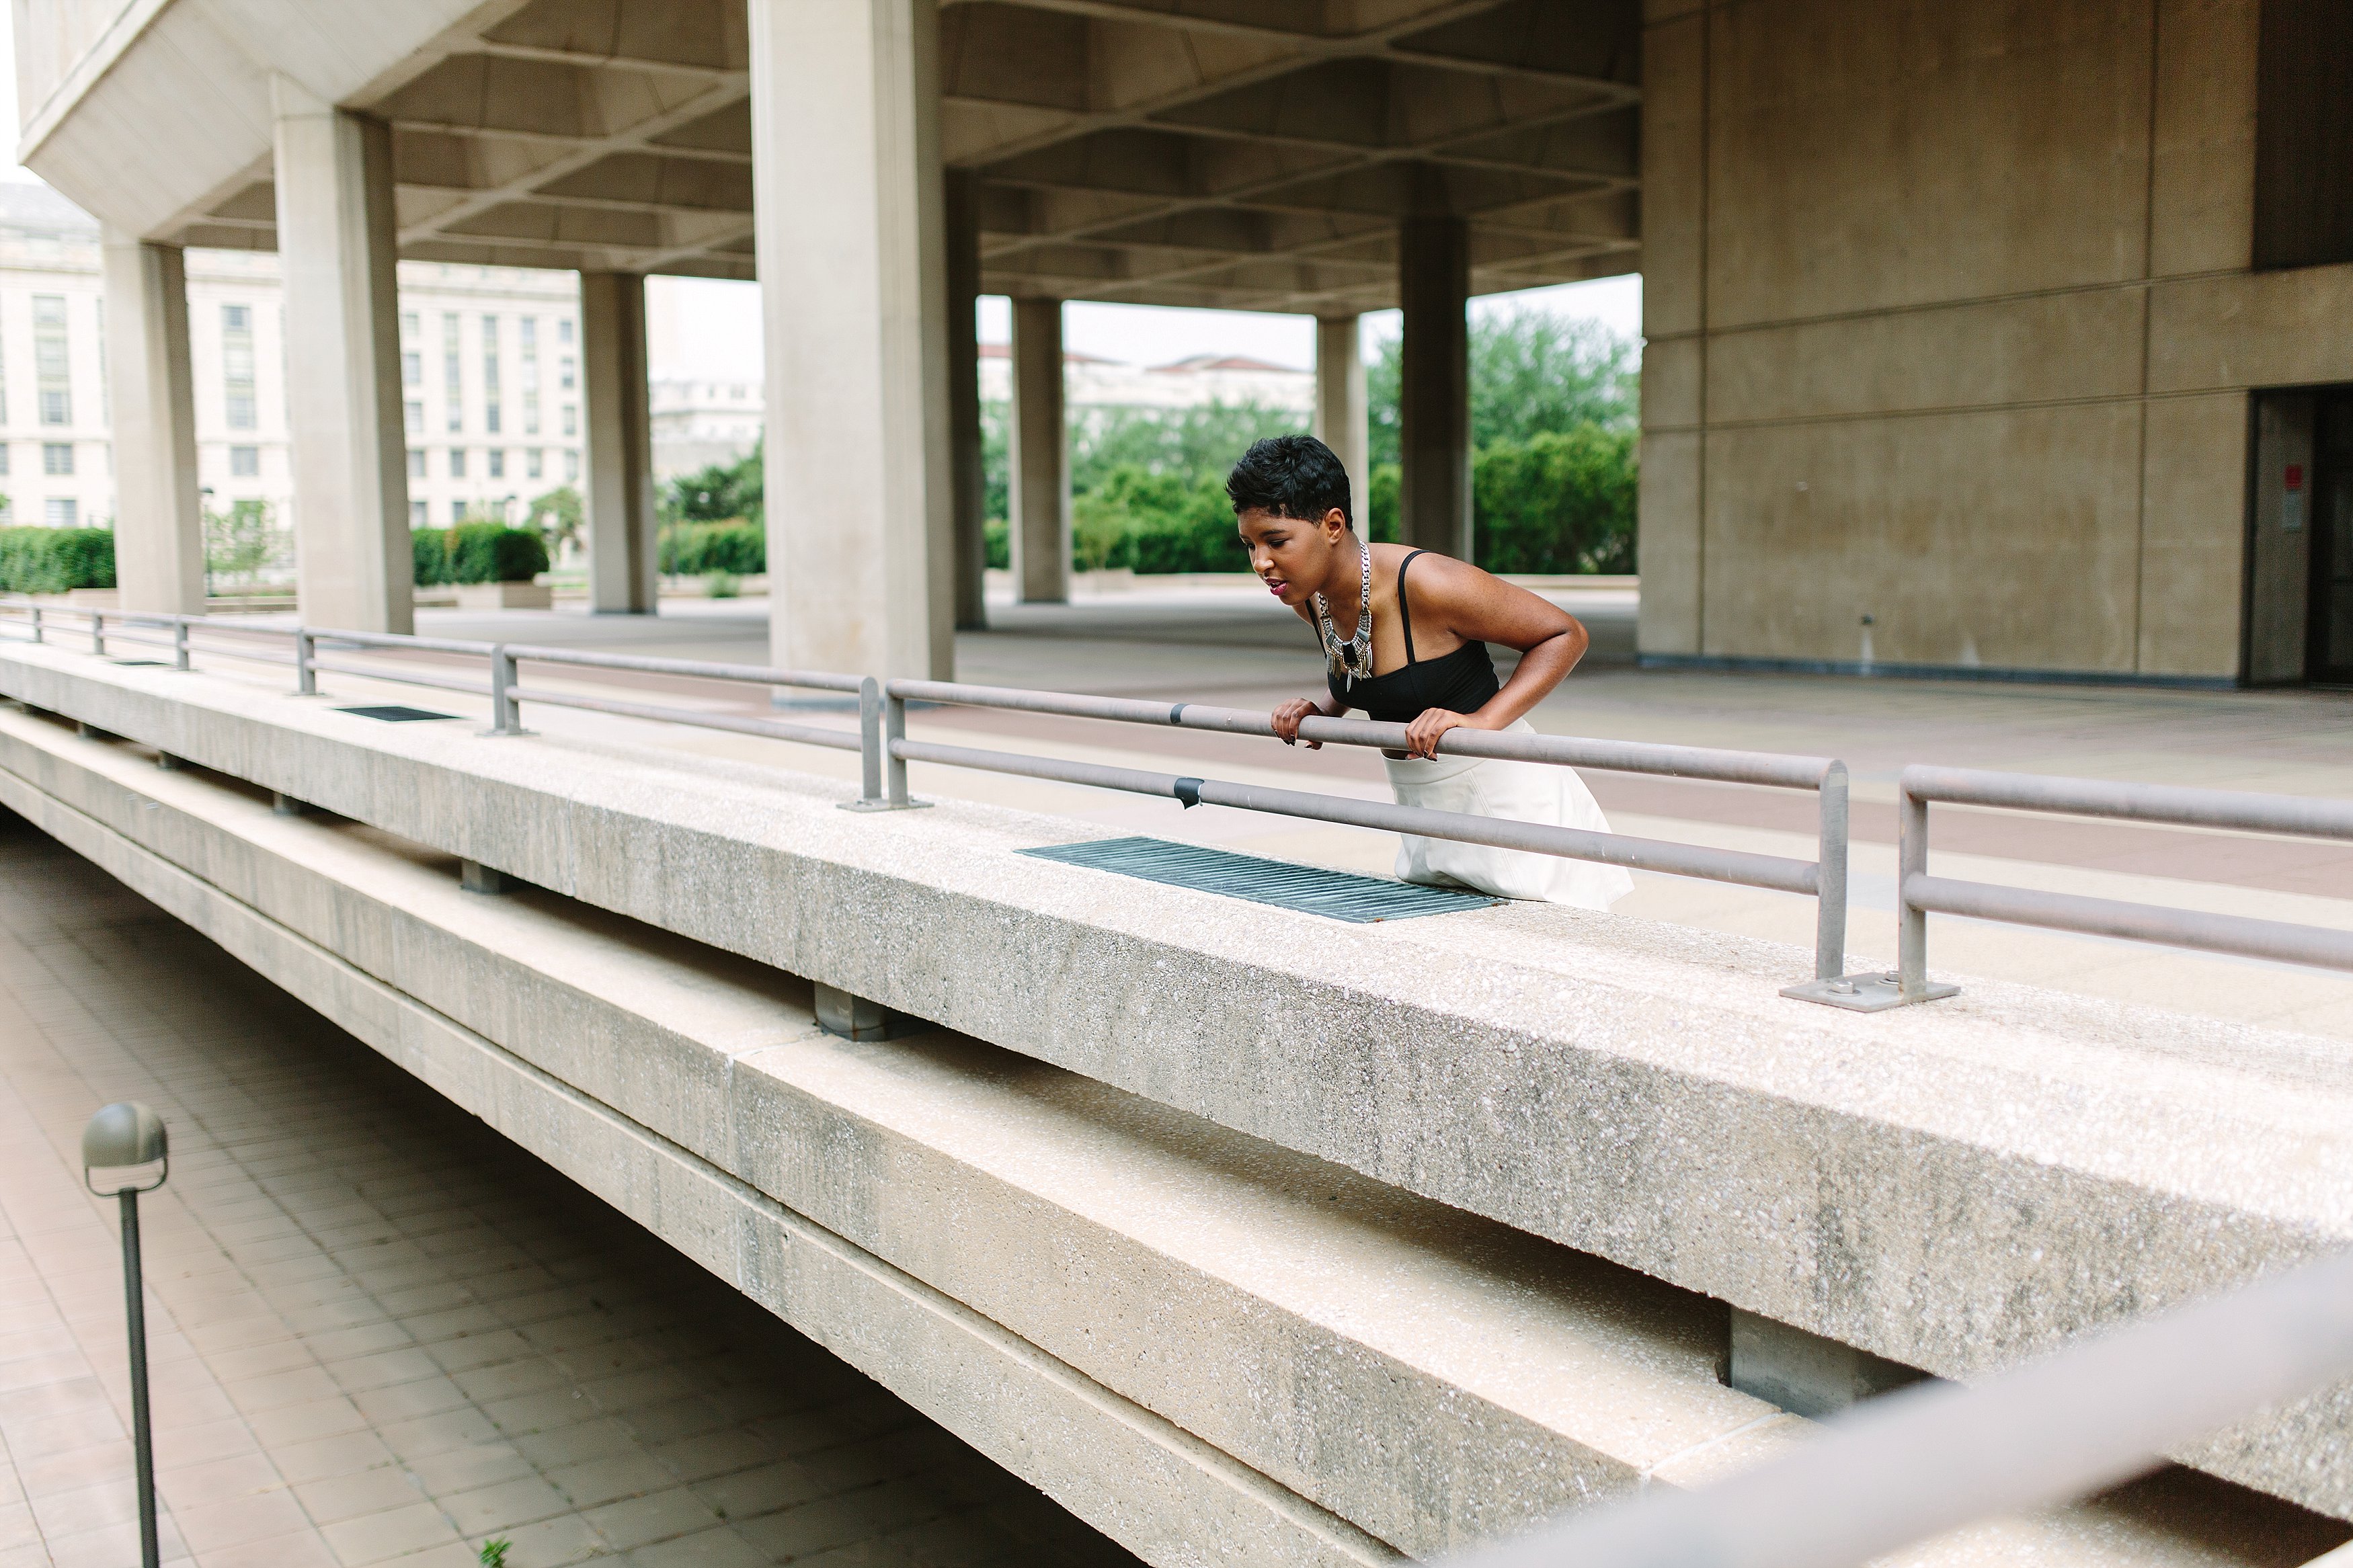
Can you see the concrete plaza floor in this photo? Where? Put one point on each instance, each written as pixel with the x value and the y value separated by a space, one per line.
pixel 1237 649
pixel 380 1333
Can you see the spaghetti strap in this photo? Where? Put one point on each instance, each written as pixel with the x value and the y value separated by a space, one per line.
pixel 1405 612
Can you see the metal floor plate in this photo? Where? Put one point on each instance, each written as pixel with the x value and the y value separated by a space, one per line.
pixel 1337 895
pixel 394 713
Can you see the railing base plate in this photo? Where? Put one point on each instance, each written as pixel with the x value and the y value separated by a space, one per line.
pixel 885 806
pixel 1874 991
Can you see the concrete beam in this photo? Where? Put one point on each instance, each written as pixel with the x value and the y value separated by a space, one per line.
pixel 159 527
pixel 1341 411
pixel 1434 386
pixel 624 544
pixel 1039 456
pixel 2003 1171
pixel 1145 1279
pixel 350 453
pixel 844 98
pixel 963 224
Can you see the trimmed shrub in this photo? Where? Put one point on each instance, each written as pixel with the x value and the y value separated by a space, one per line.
pixel 996 538
pixel 493 553
pixel 1561 502
pixel 697 549
pixel 55 560
pixel 429 549
pixel 1152 521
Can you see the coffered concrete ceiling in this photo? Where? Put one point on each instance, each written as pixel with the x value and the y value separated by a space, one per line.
pixel 1244 154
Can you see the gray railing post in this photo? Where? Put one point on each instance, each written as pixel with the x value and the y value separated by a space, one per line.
pixel 504 720
pixel 306 672
pixel 98 631
pixel 1830 897
pixel 179 642
pixel 894 767
pixel 870 745
pixel 40 634
pixel 1910 922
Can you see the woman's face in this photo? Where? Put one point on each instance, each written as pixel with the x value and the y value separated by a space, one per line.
pixel 1293 557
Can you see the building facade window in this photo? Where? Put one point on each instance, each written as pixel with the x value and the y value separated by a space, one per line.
pixel 408 326
pixel 417 517
pixel 457 462
pixel 571 419
pixel 237 366
pixel 490 374
pixel 457 512
pixel 531 464
pixel 57 458
pixel 412 370
pixel 52 362
pixel 453 374
pixel 565 372
pixel 498 461
pixel 571 465
pixel 245 462
pixel 564 329
pixel 530 408
pixel 60 512
pixel 3 459
pixel 415 463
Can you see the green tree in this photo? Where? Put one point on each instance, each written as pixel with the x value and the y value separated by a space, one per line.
pixel 721 492
pixel 239 543
pixel 557 514
pixel 1562 501
pixel 1530 371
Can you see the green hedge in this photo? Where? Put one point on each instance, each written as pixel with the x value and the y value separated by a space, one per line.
pixel 476 552
pixel 695 549
pixel 1560 502
pixel 54 560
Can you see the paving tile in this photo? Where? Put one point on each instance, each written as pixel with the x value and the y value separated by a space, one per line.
pixel 525 1499
pixel 339 1498
pixel 239 1519
pixel 298 1549
pixel 383 1369
pixel 553 1543
pixel 393 1532
pixel 237 1475
pixel 415 1440
pixel 719 1548
pixel 87 1508
pixel 320 1458
pixel 769 1489
pixel 298 1423
pixel 468 1468
pixel 657 1516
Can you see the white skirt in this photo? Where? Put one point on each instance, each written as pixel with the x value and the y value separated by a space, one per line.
pixel 1516 792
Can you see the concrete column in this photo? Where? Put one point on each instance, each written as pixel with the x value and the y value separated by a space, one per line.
pixel 1040 500
pixel 342 365
pixel 963 204
pixel 854 289
pixel 624 557
pixel 1434 393
pixel 159 530
pixel 1340 412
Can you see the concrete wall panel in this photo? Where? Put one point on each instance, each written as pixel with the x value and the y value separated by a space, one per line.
pixel 2202 173
pixel 2038 350
pixel 1674 188
pixel 1668 550
pixel 2253 329
pixel 1867 156
pixel 2003 538
pixel 1671 385
pixel 2193 536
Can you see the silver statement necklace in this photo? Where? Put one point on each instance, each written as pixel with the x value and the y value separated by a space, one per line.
pixel 1351 660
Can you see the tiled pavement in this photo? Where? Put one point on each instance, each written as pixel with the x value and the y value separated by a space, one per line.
pixel 378 1331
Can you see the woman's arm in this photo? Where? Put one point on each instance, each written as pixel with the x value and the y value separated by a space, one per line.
pixel 1288 716
pixel 1478 606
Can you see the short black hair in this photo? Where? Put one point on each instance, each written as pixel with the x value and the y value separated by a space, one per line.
pixel 1290 475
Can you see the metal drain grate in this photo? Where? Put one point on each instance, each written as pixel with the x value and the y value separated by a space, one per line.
pixel 1338 895
pixel 394 713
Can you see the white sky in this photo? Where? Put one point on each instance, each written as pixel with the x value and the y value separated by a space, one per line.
pixel 718 323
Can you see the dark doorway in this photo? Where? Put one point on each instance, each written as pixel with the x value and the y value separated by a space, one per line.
pixel 2329 654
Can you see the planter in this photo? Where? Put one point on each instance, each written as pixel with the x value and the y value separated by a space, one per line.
pixel 505 596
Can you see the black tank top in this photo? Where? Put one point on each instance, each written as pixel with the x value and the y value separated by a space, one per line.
pixel 1462 681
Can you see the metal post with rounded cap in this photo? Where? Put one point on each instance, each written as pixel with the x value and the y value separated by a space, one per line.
pixel 123 1136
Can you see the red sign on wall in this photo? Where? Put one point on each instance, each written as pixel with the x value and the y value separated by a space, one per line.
pixel 2296 476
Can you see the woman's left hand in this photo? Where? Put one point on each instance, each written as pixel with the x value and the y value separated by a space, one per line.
pixel 1422 735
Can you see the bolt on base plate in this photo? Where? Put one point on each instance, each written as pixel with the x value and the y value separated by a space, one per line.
pixel 1875 990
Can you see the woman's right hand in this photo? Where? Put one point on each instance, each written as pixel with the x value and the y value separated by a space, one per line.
pixel 1287 719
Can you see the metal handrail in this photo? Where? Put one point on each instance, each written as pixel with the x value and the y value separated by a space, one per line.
pixel 1919 895
pixel 1935 1456
pixel 1823 879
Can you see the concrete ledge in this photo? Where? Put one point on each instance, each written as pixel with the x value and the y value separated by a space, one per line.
pixel 1951 1187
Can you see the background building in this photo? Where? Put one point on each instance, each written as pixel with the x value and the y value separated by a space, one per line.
pixel 490 377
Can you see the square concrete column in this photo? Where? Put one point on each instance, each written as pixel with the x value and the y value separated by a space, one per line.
pixel 1039 456
pixel 964 396
pixel 624 556
pixel 159 526
pixel 1340 409
pixel 1434 390
pixel 342 365
pixel 853 290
